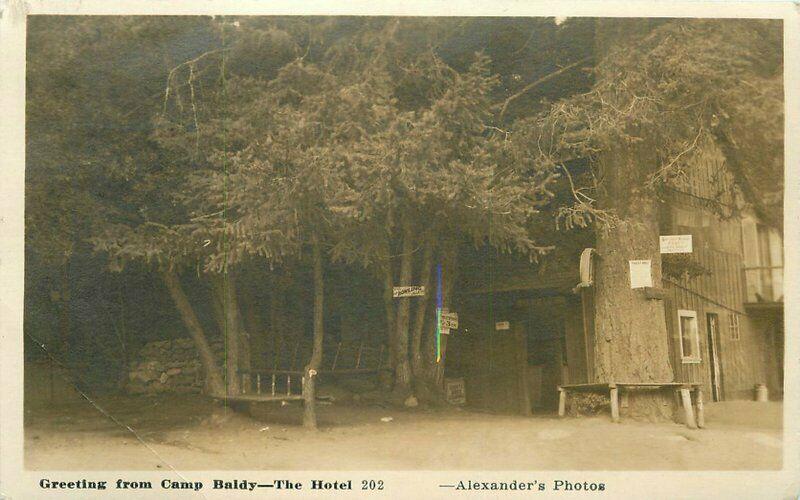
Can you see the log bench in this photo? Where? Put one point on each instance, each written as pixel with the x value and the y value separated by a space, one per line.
pixel 692 407
pixel 262 385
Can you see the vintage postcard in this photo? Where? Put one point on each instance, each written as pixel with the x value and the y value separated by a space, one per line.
pixel 406 250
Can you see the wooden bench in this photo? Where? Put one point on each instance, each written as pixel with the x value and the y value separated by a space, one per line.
pixel 692 407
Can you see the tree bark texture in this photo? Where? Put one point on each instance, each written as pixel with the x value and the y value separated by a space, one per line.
pixel 630 342
pixel 388 302
pixel 309 389
pixel 402 366
pixel 449 275
pixel 230 306
pixel 422 310
pixel 214 381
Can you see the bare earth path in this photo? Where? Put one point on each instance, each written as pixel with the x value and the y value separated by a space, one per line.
pixel 179 433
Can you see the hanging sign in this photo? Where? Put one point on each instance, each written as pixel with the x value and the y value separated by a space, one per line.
pixel 640 273
pixel 502 325
pixel 676 243
pixel 408 291
pixel 449 320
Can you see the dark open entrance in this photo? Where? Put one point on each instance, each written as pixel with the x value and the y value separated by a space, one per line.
pixel 514 349
pixel 546 351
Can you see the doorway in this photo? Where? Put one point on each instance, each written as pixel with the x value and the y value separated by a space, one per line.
pixel 712 327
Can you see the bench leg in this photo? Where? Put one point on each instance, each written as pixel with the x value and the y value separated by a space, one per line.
pixel 701 417
pixel 614 404
pixel 686 398
pixel 562 402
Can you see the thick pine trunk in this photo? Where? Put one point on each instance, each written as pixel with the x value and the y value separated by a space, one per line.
pixel 402 378
pixel 449 275
pixel 417 361
pixel 631 333
pixel 231 324
pixel 247 334
pixel 214 382
pixel 630 342
pixel 309 389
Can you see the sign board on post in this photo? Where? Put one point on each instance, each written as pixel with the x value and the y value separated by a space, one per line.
pixel 640 273
pixel 449 321
pixel 676 243
pixel 408 291
pixel 502 325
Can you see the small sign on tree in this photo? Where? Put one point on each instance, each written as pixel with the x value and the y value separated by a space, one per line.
pixel 676 243
pixel 640 273
pixel 408 291
pixel 449 320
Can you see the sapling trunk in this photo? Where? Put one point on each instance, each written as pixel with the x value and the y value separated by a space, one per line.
pixel 214 382
pixel 226 286
pixel 388 302
pixel 310 375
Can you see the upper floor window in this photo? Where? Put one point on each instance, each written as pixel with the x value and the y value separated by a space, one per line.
pixel 733 326
pixel 763 262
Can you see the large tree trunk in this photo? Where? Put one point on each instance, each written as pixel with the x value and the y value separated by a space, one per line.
pixel 402 379
pixel 64 301
pixel 309 389
pixel 449 275
pixel 417 362
pixel 248 335
pixel 388 302
pixel 226 289
pixel 214 382
pixel 630 342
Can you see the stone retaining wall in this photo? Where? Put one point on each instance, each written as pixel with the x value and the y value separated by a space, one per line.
pixel 169 366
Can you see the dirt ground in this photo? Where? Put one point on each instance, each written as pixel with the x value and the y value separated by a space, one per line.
pixel 185 433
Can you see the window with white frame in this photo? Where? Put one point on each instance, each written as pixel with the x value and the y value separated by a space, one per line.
pixel 733 326
pixel 690 337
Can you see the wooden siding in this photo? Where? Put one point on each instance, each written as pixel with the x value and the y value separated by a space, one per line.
pixel 743 361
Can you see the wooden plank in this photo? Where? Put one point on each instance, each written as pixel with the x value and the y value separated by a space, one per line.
pixel 562 402
pixel 614 394
pixel 579 387
pixel 701 419
pixel 261 397
pixel 686 398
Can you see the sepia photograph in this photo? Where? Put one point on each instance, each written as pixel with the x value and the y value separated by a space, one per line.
pixel 401 243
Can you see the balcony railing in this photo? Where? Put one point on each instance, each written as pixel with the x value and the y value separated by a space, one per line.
pixel 763 284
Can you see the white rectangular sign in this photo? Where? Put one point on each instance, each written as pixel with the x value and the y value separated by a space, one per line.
pixel 502 325
pixel 408 291
pixel 450 320
pixel 640 273
pixel 676 243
